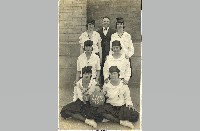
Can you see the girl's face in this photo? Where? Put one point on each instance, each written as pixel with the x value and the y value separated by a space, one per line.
pixel 114 75
pixel 88 48
pixel 116 49
pixel 90 27
pixel 120 26
pixel 87 76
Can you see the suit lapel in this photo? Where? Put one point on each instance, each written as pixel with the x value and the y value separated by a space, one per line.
pixel 108 32
pixel 101 31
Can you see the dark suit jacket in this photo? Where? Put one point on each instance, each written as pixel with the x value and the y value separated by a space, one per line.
pixel 105 43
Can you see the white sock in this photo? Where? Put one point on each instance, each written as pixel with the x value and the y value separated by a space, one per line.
pixel 126 123
pixel 91 122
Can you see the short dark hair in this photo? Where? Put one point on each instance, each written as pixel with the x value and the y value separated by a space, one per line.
pixel 91 21
pixel 119 20
pixel 114 69
pixel 106 17
pixel 87 43
pixel 116 43
pixel 87 69
pixel 116 25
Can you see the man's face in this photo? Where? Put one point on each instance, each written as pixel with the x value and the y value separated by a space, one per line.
pixel 106 22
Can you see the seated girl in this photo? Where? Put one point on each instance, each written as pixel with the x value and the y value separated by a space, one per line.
pixel 118 107
pixel 80 108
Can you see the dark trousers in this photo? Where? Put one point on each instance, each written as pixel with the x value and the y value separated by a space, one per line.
pixel 120 112
pixel 78 107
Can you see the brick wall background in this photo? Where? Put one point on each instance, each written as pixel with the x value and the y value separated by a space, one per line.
pixel 72 20
pixel 130 10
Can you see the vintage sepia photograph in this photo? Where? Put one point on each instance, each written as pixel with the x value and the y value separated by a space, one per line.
pixel 100 72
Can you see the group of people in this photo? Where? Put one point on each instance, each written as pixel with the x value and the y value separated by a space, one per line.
pixel 104 66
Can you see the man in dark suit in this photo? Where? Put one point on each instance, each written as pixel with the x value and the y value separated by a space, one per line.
pixel 105 33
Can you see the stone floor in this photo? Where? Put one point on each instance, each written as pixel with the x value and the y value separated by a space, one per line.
pixel 65 97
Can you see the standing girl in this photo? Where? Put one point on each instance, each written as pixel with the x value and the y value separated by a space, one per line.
pixel 92 35
pixel 124 38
